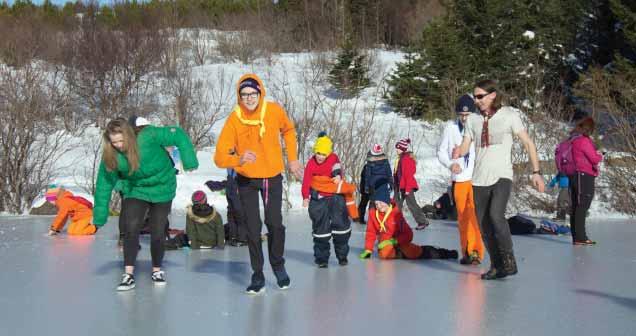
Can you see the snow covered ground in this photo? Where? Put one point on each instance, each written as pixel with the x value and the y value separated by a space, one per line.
pixel 284 74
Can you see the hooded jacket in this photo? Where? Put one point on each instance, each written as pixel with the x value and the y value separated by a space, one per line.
pixel 155 181
pixel 585 156
pixel 204 226
pixel 244 131
pixel 405 173
pixel 69 208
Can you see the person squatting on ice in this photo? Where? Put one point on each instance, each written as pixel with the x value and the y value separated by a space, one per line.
pixel 323 191
pixel 405 183
pixel 376 172
pixel 204 226
pixel 492 132
pixel 472 247
pixel 149 186
pixel 387 225
pixel 586 160
pixel 76 208
pixel 250 143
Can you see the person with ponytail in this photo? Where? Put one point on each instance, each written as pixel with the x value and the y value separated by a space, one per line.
pixel 139 165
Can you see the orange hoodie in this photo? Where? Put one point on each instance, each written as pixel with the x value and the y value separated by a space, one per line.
pixel 263 138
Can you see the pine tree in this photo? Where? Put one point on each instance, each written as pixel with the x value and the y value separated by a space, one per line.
pixel 515 42
pixel 349 74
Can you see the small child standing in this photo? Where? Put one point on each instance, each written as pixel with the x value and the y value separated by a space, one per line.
pixel 405 183
pixel 327 210
pixel 387 225
pixel 563 200
pixel 204 225
pixel 78 209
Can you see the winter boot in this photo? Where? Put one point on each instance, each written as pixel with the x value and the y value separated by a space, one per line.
pixel 509 263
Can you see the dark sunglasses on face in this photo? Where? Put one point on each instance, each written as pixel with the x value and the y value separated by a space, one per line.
pixel 481 96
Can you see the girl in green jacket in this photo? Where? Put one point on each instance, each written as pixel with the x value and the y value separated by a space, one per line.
pixel 148 182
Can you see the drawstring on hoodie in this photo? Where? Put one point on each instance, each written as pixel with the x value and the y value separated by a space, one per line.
pixel 260 122
pixel 265 191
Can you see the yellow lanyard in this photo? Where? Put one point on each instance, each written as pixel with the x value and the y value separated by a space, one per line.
pixel 383 220
pixel 260 122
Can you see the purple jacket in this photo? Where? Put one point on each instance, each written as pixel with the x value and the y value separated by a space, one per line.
pixel 585 156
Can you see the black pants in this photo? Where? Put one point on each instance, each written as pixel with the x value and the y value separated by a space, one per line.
pixel 133 212
pixel 362 207
pixel 411 203
pixel 490 207
pixel 271 191
pixel 581 195
pixel 329 218
pixel 235 216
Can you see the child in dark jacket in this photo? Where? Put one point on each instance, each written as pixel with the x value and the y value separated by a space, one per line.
pixel 327 210
pixel 405 183
pixel 376 172
pixel 204 225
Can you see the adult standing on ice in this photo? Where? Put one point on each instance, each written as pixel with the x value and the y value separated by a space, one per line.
pixel 250 142
pixel 492 131
pixel 149 186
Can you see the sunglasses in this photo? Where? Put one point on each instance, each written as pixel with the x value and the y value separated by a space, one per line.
pixel 481 96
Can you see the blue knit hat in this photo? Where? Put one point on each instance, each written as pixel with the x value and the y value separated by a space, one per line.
pixel 382 193
pixel 466 103
pixel 250 83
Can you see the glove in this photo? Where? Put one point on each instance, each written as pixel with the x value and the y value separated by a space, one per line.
pixel 365 255
pixel 384 243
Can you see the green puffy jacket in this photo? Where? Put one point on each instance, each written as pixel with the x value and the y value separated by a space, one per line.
pixel 155 181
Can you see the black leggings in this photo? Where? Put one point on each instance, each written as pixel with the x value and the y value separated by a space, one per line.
pixel 581 195
pixel 133 212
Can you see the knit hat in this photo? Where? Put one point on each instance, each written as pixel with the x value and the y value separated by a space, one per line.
pixel 250 83
pixel 51 193
pixel 136 121
pixel 382 193
pixel 198 197
pixel 323 144
pixel 466 103
pixel 376 150
pixel 403 144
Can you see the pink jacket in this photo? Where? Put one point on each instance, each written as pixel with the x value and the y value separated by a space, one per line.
pixel 585 156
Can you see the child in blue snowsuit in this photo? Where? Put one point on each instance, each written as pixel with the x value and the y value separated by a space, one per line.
pixel 563 200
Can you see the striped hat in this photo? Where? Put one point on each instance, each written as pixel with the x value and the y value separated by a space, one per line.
pixel 403 144
pixel 51 193
pixel 199 197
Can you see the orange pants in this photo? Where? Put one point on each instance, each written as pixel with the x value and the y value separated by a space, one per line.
pixel 81 226
pixel 409 251
pixel 469 233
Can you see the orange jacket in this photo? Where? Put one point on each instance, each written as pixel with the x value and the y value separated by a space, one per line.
pixel 325 184
pixel 238 137
pixel 395 226
pixel 67 208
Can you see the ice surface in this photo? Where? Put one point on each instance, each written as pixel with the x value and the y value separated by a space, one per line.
pixel 66 286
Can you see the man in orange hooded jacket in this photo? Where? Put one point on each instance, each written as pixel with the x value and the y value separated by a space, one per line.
pixel 75 208
pixel 250 143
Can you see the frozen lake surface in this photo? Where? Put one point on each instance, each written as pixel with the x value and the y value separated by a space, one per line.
pixel 66 286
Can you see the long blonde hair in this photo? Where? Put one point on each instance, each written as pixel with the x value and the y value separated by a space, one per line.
pixel 109 153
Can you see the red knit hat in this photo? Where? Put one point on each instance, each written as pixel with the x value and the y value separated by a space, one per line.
pixel 403 144
pixel 199 197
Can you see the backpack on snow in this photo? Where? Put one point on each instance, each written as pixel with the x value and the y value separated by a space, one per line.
pixel 521 225
pixel 563 156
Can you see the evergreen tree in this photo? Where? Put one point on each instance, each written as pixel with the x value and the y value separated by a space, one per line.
pixel 515 42
pixel 349 74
